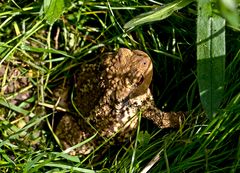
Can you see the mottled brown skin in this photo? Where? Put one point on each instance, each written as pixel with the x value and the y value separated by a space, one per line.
pixel 109 95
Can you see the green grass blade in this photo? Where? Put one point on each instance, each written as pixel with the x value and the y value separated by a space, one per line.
pixel 70 168
pixel 3 102
pixel 210 57
pixel 53 9
pixel 157 14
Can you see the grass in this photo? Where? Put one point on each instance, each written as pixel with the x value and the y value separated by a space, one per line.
pixel 47 54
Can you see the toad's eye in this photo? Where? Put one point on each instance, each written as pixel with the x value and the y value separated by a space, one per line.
pixel 144 65
pixel 144 62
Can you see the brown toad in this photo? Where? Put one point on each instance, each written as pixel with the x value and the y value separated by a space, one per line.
pixel 109 96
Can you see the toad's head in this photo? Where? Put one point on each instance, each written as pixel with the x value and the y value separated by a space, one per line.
pixel 133 71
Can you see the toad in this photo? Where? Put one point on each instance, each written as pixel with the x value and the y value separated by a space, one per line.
pixel 110 95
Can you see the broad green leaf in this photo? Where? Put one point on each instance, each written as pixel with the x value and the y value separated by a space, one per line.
pixel 143 138
pixel 210 57
pixel 53 9
pixel 229 10
pixel 157 14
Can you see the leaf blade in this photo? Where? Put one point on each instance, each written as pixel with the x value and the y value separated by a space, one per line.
pixel 157 14
pixel 53 9
pixel 210 57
